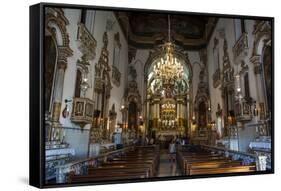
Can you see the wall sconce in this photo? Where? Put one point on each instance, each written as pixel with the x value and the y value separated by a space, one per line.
pixel 65 111
pixel 193 120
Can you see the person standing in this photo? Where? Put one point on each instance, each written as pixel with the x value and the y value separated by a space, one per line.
pixel 172 151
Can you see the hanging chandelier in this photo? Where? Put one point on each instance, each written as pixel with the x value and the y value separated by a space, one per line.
pixel 168 69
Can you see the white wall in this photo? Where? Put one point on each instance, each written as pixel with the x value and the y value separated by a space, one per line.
pixel 195 63
pixel 247 133
pixel 138 63
pixel 77 138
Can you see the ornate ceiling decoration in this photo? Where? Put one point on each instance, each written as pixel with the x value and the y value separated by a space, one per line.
pixel 145 30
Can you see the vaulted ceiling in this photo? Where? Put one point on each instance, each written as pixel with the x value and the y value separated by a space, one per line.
pixel 145 30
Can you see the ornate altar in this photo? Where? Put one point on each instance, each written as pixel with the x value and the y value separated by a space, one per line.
pixel 168 114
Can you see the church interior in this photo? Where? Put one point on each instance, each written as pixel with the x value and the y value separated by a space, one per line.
pixel 132 95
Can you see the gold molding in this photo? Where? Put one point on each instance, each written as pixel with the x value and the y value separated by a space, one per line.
pixel 56 111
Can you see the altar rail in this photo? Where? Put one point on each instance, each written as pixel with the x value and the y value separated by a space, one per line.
pixel 80 167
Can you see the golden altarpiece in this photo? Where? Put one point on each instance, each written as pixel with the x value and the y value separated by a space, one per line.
pixel 168 101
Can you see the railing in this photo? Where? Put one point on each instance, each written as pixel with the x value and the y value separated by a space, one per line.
pixel 80 166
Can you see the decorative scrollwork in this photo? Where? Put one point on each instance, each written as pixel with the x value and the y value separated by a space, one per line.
pixel 241 47
pixel 87 43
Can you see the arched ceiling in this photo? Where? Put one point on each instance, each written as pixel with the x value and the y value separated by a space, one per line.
pixel 145 30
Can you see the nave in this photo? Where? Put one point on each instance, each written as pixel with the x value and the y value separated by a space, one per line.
pixel 120 87
pixel 149 162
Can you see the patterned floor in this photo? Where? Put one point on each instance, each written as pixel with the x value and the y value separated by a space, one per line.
pixel 167 168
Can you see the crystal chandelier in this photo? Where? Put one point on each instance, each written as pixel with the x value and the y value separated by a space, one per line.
pixel 168 69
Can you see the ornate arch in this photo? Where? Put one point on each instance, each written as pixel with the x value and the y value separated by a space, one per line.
pixel 262 33
pixel 55 24
pixel 262 39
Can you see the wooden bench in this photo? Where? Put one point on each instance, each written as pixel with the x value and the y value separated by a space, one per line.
pixel 103 177
pixel 202 162
pixel 141 163
pixel 222 170
pixel 211 164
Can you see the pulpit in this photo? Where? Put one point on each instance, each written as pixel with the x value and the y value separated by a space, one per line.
pixel 83 111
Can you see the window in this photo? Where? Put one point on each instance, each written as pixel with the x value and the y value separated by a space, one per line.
pixel 78 84
pixel 83 16
pixel 116 50
pixel 246 85
pixel 239 26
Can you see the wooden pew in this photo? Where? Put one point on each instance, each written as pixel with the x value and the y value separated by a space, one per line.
pixel 202 162
pixel 141 163
pixel 222 170
pixel 103 177
pixel 211 164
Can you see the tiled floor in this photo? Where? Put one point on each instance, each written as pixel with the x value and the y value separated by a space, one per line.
pixel 167 168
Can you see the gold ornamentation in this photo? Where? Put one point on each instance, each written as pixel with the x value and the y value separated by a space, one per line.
pixel 87 43
pixel 169 69
pixel 56 111
pixel 56 16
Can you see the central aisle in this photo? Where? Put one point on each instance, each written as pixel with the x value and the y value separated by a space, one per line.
pixel 167 168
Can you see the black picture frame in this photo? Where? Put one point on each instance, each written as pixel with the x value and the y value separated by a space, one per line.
pixel 36 81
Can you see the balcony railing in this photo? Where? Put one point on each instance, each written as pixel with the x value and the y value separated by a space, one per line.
pixel 86 42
